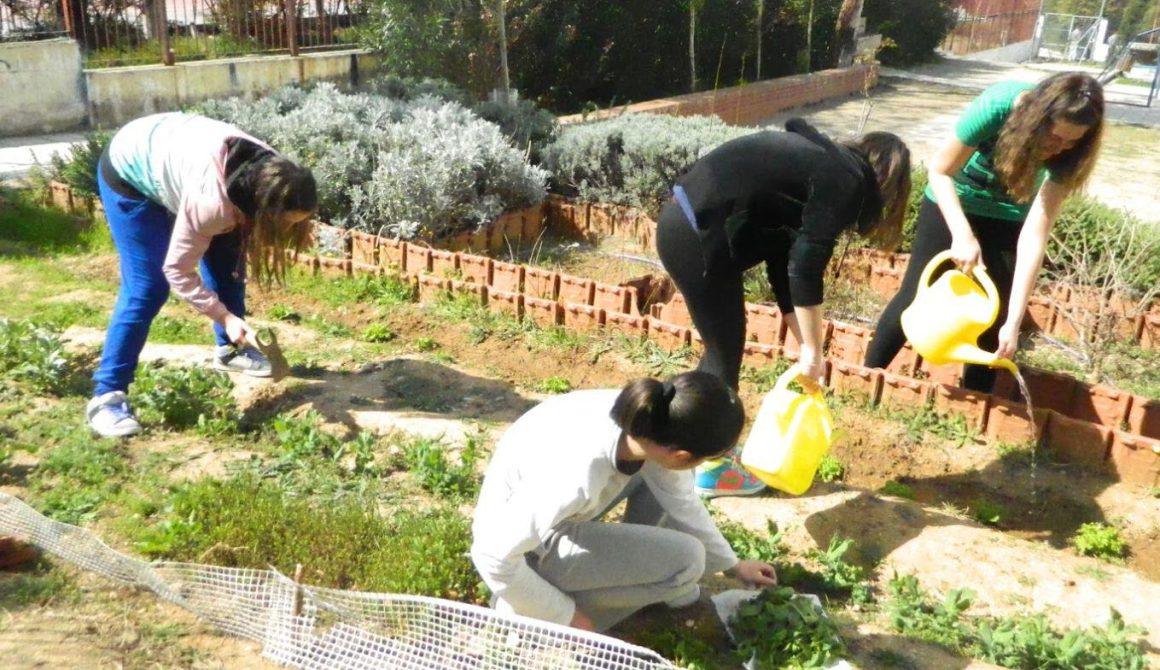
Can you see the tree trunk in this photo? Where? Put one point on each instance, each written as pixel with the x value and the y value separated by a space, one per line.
pixel 847 43
pixel 505 78
pixel 760 16
pixel 692 46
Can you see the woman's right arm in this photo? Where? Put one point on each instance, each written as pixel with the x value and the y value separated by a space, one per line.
pixel 947 162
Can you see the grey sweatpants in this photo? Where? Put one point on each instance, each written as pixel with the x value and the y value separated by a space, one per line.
pixel 614 569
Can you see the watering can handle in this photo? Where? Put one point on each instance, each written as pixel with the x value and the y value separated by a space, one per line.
pixel 788 376
pixel 977 272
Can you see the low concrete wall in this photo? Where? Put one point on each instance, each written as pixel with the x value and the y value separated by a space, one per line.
pixel 117 95
pixel 42 87
pixel 1019 52
pixel 752 104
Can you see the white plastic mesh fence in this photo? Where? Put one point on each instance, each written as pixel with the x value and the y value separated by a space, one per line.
pixel 327 629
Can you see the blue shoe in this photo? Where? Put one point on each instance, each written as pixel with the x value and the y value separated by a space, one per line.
pixel 725 476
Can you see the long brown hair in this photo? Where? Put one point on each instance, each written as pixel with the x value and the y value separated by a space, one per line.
pixel 889 157
pixel 1071 97
pixel 281 186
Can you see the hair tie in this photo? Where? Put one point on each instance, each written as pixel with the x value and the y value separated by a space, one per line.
pixel 668 392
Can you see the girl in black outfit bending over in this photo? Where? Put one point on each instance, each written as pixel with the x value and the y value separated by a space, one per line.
pixel 782 198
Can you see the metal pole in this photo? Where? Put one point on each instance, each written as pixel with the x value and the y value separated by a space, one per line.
pixel 292 26
pixel 503 54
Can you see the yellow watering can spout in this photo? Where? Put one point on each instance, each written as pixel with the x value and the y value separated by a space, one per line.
pixel 789 437
pixel 944 322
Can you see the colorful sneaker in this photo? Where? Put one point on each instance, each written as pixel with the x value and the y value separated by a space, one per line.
pixel 246 360
pixel 109 415
pixel 725 477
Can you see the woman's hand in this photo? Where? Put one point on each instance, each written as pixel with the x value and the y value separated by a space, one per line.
pixel 754 573
pixel 811 371
pixel 580 620
pixel 238 331
pixel 1008 341
pixel 966 252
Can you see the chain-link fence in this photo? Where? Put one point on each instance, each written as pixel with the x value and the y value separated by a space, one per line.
pixel 310 628
pixel 1069 37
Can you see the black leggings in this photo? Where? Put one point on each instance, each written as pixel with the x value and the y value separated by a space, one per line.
pixel 998 239
pixel 716 300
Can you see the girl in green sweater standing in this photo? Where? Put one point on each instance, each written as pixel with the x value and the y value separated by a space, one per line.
pixel 995 189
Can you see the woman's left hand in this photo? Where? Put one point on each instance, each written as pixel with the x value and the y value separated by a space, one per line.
pixel 754 573
pixel 1008 341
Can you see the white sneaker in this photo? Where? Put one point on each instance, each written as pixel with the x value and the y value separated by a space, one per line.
pixel 109 415
pixel 246 360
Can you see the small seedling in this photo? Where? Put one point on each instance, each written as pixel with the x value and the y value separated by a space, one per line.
pixel 1154 492
pixel 831 469
pixel 285 313
pixel 188 397
pixel 428 461
pixel 685 648
pixel 897 489
pixel 378 332
pixel 988 512
pixel 1100 540
pixel 426 344
pixel 779 629
pixel 554 385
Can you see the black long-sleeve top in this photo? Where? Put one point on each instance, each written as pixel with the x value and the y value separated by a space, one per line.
pixel 783 198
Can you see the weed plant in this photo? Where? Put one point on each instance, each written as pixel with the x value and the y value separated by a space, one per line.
pixel 1100 540
pixel 34 357
pixel 78 476
pixel 378 333
pixel 897 489
pixel 428 462
pixel 683 647
pixel 988 512
pixel 184 398
pixel 248 521
pixel 1020 642
pixel 779 629
pixel 831 469
pixel 554 384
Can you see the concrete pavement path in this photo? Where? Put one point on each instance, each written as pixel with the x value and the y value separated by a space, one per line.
pixel 19 154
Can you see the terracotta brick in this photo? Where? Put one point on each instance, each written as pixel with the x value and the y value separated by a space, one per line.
pixel 418 259
pixel 431 287
pixel 972 405
pixel 334 265
pixel 763 324
pixel 951 374
pixel 1049 390
pixel 885 281
pixel 475 269
pixel 541 283
pixel 1150 331
pixel 582 318
pixel 534 221
pixel 610 298
pixel 676 312
pixel 1005 386
pixel 544 313
pixel 576 289
pixel 1100 404
pixel 1144 416
pixel 357 267
pixel 1040 314
pixel 505 232
pixel 1008 421
pixel 668 336
pixel 1080 442
pixel 757 355
pixel 505 302
pixel 850 378
pixel 905 392
pixel 466 287
pixel 1135 459
pixel 444 263
pixel 393 254
pixel 569 219
pixel 848 342
pixel 600 220
pixel 628 324
pixel 61 196
pixel 507 277
pixel 364 247
pixel 905 362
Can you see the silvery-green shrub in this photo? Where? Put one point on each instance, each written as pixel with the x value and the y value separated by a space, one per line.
pixel 632 159
pixel 422 167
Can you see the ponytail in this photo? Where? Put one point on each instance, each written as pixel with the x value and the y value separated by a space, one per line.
pixel 693 411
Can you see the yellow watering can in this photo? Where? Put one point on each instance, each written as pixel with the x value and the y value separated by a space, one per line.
pixel 791 434
pixel 947 317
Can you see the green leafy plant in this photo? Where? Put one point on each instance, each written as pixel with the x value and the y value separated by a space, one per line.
pixel 426 344
pixel 779 629
pixel 897 489
pixel 303 437
pixel 749 545
pixel 988 512
pixel 554 385
pixel 284 313
pixel 34 355
pixel 831 469
pixel 379 332
pixel 188 397
pixel 685 648
pixel 912 612
pixel 78 167
pixel 839 576
pixel 1099 540
pixel 427 460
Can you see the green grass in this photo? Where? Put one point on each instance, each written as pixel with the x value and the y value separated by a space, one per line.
pixel 384 291
pixel 248 521
pixel 988 512
pixel 41 586
pixel 897 489
pixel 177 330
pixel 29 229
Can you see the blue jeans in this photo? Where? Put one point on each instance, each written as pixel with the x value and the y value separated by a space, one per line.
pixel 141 230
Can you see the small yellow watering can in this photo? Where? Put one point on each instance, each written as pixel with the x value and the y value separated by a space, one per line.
pixel 947 317
pixel 789 437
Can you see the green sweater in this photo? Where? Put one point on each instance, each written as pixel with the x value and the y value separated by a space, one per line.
pixel 979 189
